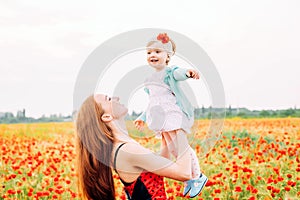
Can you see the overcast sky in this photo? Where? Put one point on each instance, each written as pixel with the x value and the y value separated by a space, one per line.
pixel 254 45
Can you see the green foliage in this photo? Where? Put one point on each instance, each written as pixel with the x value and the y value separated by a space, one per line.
pixel 200 113
pixel 15 120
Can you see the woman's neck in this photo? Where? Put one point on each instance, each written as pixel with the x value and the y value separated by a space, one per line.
pixel 120 137
pixel 120 131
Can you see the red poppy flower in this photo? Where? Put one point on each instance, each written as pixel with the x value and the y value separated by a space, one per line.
pixel 238 189
pixel 163 37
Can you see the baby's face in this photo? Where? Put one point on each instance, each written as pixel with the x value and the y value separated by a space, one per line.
pixel 156 57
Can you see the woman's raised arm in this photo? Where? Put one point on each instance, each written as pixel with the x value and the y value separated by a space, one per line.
pixel 143 158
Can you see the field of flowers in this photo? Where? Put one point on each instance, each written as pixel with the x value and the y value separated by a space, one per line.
pixel 253 159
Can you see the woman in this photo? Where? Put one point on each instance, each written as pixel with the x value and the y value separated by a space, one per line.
pixel 103 144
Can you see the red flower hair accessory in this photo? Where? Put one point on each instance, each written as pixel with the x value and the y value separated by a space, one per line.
pixel 163 37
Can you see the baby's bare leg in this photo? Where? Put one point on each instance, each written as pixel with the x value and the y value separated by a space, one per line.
pixel 195 164
pixel 196 172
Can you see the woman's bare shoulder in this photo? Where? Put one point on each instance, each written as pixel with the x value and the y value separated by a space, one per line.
pixel 134 148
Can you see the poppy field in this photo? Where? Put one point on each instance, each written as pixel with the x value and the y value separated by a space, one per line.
pixel 253 159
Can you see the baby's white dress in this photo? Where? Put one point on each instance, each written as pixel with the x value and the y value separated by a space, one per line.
pixel 162 113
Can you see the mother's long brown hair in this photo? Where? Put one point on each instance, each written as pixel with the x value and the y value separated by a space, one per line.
pixel 94 148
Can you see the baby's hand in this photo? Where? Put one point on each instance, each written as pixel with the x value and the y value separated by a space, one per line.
pixel 192 74
pixel 139 124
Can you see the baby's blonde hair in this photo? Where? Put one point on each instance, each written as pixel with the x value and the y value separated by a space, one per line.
pixel 173 48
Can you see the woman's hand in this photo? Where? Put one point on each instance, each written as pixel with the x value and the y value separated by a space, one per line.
pixel 164 147
pixel 139 124
pixel 192 74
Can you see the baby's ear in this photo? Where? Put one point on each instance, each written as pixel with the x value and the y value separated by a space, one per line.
pixel 168 58
pixel 106 117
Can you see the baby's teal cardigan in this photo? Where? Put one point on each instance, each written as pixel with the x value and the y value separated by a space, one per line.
pixel 173 75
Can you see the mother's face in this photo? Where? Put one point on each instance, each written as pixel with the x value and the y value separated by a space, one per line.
pixel 111 105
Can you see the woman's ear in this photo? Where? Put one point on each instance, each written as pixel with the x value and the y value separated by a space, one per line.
pixel 106 117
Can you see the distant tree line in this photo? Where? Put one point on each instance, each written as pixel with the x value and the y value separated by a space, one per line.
pixel 20 117
pixel 245 113
pixel 207 113
pixel 200 113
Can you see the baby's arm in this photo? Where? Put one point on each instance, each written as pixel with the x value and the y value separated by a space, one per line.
pixel 181 74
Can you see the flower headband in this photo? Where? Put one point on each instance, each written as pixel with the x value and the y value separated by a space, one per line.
pixel 163 41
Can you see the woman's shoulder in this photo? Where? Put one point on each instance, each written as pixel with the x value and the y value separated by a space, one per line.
pixel 134 147
pixel 129 146
pixel 130 154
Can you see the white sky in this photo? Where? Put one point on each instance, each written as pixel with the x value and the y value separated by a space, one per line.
pixel 255 46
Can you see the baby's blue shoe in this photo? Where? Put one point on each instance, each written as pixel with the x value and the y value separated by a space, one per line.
pixel 197 185
pixel 187 187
